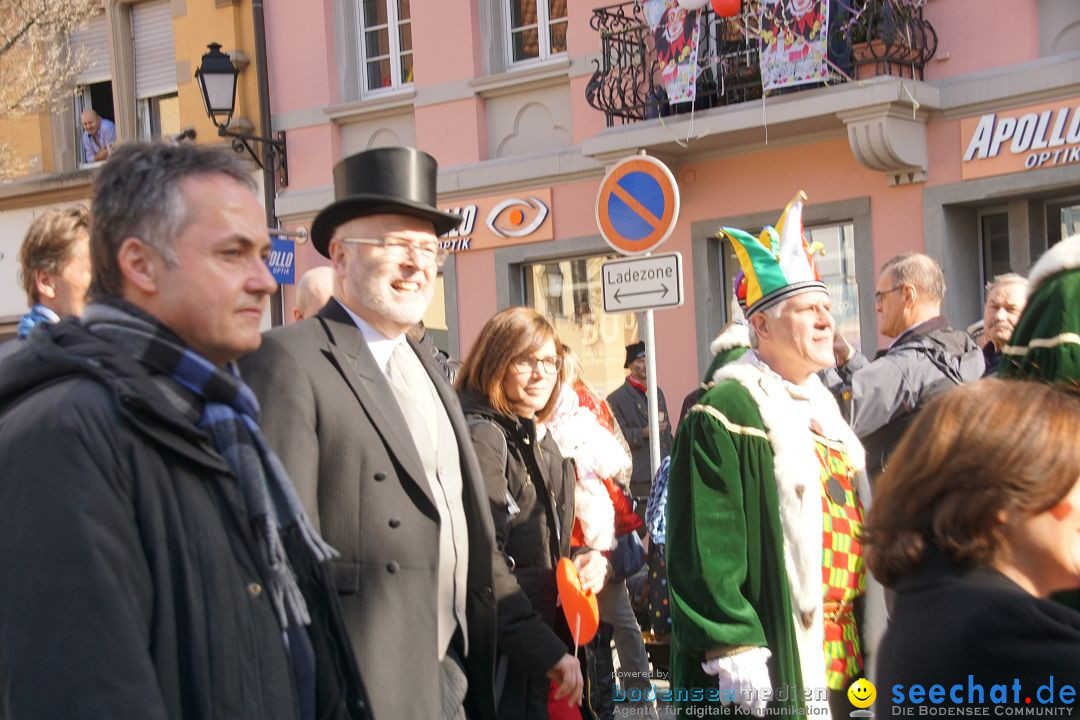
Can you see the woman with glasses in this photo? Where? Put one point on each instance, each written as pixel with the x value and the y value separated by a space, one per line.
pixel 508 386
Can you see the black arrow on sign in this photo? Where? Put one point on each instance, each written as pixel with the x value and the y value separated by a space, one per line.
pixel 620 294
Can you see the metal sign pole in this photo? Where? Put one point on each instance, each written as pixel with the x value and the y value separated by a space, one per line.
pixel 654 402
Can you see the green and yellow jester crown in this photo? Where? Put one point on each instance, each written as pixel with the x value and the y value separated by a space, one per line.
pixel 778 263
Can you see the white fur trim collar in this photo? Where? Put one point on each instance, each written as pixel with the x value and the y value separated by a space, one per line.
pixel 733 335
pixel 1063 256
pixel 786 411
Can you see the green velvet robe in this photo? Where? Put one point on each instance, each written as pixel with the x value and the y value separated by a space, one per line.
pixel 726 570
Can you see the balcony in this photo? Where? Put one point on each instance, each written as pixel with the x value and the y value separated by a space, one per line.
pixel 866 38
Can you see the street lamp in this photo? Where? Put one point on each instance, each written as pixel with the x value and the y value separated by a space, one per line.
pixel 217 81
pixel 217 76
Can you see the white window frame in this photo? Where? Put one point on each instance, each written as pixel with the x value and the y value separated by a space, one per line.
pixel 393 34
pixel 92 39
pixel 543 25
pixel 148 98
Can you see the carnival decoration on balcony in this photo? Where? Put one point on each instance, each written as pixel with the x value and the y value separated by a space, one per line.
pixel 726 8
pixel 675 31
pixel 794 49
pixel 651 65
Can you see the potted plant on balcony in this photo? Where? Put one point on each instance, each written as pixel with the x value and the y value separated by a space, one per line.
pixel 876 32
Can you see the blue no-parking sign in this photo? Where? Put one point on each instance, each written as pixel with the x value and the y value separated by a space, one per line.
pixel 637 205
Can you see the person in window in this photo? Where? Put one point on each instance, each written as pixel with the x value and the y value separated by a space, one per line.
pixel 99 135
pixel 509 385
pixel 974 523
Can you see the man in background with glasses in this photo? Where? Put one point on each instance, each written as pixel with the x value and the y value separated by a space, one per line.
pixel 374 439
pixel 926 357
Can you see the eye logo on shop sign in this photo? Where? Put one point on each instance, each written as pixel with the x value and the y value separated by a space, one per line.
pixel 501 220
pixel 515 212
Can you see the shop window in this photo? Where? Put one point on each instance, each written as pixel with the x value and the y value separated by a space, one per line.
pixel 1062 220
pixel 435 321
pixel 536 30
pixel 569 294
pixel 837 270
pixel 386 50
pixel 994 244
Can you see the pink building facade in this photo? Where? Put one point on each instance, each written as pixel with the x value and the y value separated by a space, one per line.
pixel 965 148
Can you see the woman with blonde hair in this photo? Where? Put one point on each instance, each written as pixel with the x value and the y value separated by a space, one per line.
pixel 586 431
pixel 508 385
pixel 975 522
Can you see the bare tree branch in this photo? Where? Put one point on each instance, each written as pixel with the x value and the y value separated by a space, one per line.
pixel 37 64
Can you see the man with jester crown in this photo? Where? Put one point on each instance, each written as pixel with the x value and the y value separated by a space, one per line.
pixel 766 497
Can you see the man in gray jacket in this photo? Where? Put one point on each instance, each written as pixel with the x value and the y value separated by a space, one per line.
pixel 927 357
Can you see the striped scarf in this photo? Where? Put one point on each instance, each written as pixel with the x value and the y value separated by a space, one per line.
pixel 227 414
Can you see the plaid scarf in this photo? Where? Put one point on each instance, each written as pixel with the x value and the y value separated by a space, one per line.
pixel 227 414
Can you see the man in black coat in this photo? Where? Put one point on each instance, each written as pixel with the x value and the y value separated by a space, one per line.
pixel 374 438
pixel 156 561
pixel 630 406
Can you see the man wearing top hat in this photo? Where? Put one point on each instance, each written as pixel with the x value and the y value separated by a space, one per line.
pixel 765 500
pixel 374 439
pixel 630 406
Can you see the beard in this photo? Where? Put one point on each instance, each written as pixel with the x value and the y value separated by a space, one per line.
pixel 407 310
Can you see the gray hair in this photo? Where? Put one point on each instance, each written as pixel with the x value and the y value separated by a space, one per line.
pixel 918 270
pixel 138 195
pixel 773 311
pixel 1007 279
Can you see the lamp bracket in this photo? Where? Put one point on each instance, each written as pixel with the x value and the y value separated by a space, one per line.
pixel 271 147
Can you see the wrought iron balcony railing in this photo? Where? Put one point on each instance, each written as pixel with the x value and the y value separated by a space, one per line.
pixel 865 38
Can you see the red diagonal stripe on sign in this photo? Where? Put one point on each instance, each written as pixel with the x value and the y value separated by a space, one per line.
pixel 636 206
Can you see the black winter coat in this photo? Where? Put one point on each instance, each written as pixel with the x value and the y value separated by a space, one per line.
pixel 129 575
pixel 953 627
pixel 530 487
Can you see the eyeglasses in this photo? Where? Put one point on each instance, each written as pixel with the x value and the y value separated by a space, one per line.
pixel 879 296
pixel 399 249
pixel 548 365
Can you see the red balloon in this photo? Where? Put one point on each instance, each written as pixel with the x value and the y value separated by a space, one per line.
pixel 726 8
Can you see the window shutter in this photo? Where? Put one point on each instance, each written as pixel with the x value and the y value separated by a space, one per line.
pixel 90 44
pixel 155 54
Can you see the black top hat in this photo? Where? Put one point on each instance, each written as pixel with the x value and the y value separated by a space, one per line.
pixel 390 180
pixel 633 352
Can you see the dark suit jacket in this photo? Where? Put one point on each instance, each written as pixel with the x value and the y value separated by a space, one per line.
pixel 329 412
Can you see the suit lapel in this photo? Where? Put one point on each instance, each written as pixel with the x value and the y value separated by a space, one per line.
pixel 349 352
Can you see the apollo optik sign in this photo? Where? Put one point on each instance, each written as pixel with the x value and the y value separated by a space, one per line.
pixel 1029 138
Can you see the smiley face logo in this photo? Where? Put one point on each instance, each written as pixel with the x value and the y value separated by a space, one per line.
pixel 862 693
